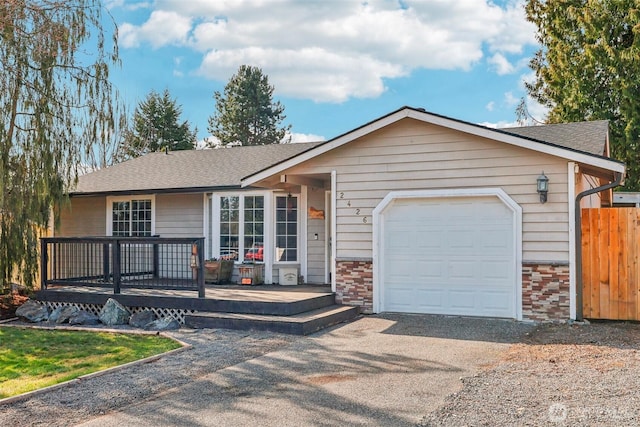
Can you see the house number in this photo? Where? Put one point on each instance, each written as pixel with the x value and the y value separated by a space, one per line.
pixel 364 220
pixel 341 195
pixel 357 211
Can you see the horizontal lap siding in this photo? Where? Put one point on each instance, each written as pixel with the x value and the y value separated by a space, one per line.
pixel 179 215
pixel 316 248
pixel 84 216
pixel 412 155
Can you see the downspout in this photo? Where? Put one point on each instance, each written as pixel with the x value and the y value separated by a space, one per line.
pixel 616 182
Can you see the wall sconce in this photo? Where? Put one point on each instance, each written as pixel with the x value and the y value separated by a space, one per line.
pixel 543 187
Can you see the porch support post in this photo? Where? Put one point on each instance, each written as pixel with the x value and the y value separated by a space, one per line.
pixel 116 266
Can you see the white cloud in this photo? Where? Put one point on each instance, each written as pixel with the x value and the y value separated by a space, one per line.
pixel 305 137
pixel 332 51
pixel 162 28
pixel 500 124
pixel 510 99
pixel 490 106
pixel 501 65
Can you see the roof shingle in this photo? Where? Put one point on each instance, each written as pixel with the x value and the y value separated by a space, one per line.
pixel 219 168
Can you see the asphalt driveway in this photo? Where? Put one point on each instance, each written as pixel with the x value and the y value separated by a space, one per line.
pixel 378 370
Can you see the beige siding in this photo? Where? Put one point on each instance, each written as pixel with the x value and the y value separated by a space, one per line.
pixel 412 155
pixel 84 216
pixel 315 248
pixel 179 215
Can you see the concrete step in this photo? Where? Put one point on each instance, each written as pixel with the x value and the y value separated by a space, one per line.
pixel 297 324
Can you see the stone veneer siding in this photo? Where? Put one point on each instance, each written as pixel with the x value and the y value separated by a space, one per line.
pixel 354 284
pixel 545 292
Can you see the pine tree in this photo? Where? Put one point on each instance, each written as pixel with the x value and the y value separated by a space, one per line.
pixel 246 113
pixel 156 126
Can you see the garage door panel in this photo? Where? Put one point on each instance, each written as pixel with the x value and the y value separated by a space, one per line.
pixel 449 256
pixel 500 271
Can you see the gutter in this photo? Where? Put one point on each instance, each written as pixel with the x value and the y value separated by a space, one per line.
pixel 579 297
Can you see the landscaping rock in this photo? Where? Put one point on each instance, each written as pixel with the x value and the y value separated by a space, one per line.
pixel 142 318
pixel 62 314
pixel 114 313
pixel 33 311
pixel 163 324
pixel 82 317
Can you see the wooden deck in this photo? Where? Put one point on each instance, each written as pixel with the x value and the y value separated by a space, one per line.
pixel 264 299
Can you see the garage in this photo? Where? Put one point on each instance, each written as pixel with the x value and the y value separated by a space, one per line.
pixel 453 254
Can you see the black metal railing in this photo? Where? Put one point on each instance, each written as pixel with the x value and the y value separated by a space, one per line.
pixel 123 262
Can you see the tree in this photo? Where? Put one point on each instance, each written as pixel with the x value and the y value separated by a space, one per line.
pixel 245 113
pixel 156 126
pixel 588 68
pixel 55 102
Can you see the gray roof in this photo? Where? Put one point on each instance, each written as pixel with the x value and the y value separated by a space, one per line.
pixel 588 137
pixel 200 170
pixel 186 170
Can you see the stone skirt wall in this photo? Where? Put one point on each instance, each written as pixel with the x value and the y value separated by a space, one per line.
pixel 545 292
pixel 354 283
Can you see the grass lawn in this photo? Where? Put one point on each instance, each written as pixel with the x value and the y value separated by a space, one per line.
pixel 34 358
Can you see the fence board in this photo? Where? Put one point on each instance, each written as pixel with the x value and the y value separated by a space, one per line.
pixel 610 263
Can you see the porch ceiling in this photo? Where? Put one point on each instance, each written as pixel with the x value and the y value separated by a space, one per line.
pixel 293 181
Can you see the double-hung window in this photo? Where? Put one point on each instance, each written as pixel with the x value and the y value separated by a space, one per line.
pixel 131 217
pixel 286 228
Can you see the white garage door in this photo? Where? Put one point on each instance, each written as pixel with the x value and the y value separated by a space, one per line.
pixel 449 256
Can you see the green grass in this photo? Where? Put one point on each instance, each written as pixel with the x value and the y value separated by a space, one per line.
pixel 34 358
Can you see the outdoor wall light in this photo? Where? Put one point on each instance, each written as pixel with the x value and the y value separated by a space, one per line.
pixel 543 187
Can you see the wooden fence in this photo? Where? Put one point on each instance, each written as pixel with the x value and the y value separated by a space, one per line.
pixel 610 263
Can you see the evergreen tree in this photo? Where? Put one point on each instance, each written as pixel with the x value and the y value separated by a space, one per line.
pixel 156 127
pixel 588 68
pixel 55 103
pixel 246 113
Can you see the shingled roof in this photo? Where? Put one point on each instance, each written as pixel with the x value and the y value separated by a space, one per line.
pixel 189 170
pixel 588 137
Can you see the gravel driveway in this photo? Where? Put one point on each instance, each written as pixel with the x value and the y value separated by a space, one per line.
pixel 379 370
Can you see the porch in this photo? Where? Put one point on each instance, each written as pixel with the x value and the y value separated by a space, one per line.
pixel 166 276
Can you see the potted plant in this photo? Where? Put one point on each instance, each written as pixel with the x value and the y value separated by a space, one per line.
pixel 218 270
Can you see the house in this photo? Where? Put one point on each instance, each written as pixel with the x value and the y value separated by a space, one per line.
pixel 412 212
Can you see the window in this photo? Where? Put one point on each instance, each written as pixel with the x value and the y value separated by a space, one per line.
pixel 229 227
pixel 286 228
pixel 254 228
pixel 131 218
pixel 242 228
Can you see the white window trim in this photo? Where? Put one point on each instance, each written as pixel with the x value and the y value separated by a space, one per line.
pixel 298 230
pixel 215 224
pixel 111 199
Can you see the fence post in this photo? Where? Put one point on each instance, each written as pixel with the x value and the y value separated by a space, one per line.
pixel 201 291
pixel 116 266
pixel 44 265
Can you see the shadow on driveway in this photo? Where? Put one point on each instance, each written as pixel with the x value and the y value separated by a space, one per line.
pixel 458 328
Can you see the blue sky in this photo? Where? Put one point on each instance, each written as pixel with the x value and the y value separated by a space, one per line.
pixel 335 64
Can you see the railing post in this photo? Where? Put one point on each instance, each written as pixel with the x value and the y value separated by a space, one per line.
pixel 44 264
pixel 201 290
pixel 105 262
pixel 116 266
pixel 156 261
